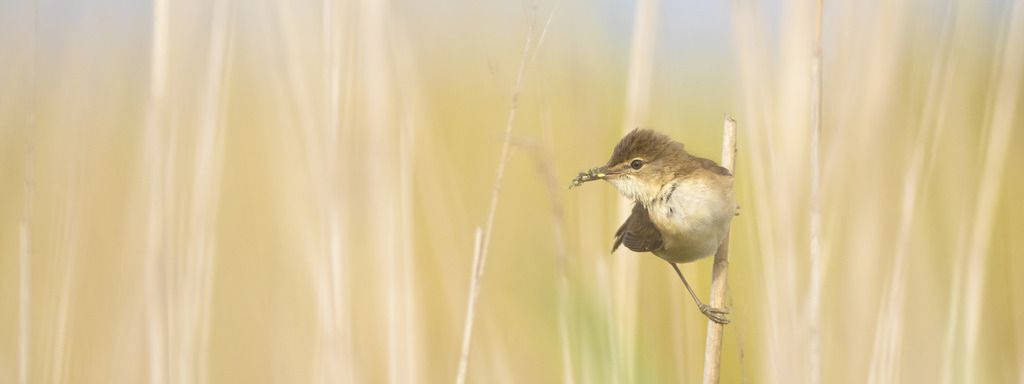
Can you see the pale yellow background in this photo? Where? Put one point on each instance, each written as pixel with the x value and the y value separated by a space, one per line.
pixel 257 191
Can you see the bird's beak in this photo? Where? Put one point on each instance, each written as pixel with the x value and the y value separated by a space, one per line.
pixel 598 173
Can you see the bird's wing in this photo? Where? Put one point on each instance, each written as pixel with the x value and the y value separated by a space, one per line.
pixel 713 167
pixel 638 233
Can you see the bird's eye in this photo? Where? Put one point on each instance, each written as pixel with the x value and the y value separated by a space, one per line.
pixel 636 164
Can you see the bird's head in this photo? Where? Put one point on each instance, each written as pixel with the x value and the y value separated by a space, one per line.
pixel 642 162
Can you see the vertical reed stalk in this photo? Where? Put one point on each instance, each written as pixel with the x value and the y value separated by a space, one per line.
pixel 24 262
pixel 152 156
pixel 335 328
pixel 565 342
pixel 373 43
pixel 474 291
pixel 329 264
pixel 529 51
pixel 752 44
pixel 25 226
pixel 1000 118
pixel 211 197
pixel 713 344
pixel 638 91
pixel 407 264
pixel 817 262
pixel 409 98
pixel 887 349
pixel 68 251
pixel 194 282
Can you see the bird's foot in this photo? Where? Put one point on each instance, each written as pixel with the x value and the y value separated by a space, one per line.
pixel 715 314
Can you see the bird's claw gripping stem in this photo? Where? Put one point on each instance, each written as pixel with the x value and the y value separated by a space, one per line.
pixel 715 314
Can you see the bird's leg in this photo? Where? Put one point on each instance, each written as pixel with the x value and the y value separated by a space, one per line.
pixel 715 314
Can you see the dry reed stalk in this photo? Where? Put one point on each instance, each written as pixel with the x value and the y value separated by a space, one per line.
pixel 332 297
pixel 409 337
pixel 752 46
pixel 1017 296
pixel 152 155
pixel 638 90
pixel 409 100
pixel 154 282
pixel 969 267
pixel 193 282
pixel 641 63
pixel 24 264
pixel 66 253
pixel 817 268
pixel 1000 117
pixel 25 225
pixel 210 156
pixel 25 240
pixel 383 180
pixel 178 266
pixel 713 344
pixel 870 102
pixel 329 263
pixel 69 254
pixel 565 342
pixel 887 349
pixel 529 52
pixel 388 65
pixel 474 291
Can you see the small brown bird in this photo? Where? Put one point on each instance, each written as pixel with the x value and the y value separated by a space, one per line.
pixel 683 203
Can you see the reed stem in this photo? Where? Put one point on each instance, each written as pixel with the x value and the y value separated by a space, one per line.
pixel 817 262
pixel 713 344
pixel 530 49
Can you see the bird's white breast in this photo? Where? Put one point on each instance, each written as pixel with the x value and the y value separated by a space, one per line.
pixel 693 216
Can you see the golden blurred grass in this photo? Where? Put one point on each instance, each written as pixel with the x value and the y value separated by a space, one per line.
pixel 287 192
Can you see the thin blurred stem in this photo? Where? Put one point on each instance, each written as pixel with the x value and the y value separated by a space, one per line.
pixel 194 294
pixel 332 292
pixel 641 63
pixel 24 263
pixel 407 168
pixel 25 226
pixel 887 347
pixel 638 93
pixel 1017 291
pixel 152 157
pixel 1001 124
pixel 68 249
pixel 529 51
pixel 324 149
pixel 752 44
pixel 719 284
pixel 474 291
pixel 816 259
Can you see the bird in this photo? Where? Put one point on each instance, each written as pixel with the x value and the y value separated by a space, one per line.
pixel 683 205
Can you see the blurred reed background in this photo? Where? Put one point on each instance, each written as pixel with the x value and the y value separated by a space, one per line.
pixel 256 191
